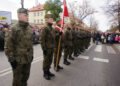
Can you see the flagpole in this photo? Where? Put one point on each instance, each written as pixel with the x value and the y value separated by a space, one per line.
pixel 65 13
pixel 59 44
pixel 58 52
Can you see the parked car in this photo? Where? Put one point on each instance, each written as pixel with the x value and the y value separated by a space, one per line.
pixel 2 36
pixel 36 37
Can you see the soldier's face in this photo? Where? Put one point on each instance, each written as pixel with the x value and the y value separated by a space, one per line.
pixel 50 20
pixel 23 17
pixel 59 23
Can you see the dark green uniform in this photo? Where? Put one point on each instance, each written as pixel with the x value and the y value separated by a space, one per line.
pixel 73 39
pixel 57 37
pixel 19 50
pixel 67 44
pixel 47 44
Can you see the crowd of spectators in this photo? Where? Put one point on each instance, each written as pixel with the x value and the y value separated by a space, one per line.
pixel 106 38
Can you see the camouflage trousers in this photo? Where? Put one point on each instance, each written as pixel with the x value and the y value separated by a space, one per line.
pixel 75 47
pixel 55 56
pixel 21 74
pixel 67 52
pixel 71 50
pixel 47 61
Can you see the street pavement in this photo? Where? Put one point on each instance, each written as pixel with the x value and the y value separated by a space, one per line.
pixel 99 65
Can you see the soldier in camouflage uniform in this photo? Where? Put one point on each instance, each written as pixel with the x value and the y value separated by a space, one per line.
pixel 47 44
pixel 79 36
pixel 67 45
pixel 19 48
pixel 76 42
pixel 57 34
pixel 69 28
pixel 73 37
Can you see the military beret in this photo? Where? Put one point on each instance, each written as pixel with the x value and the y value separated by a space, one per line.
pixel 48 16
pixel 22 10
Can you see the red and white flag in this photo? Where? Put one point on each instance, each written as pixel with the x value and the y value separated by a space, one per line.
pixel 65 12
pixel 60 29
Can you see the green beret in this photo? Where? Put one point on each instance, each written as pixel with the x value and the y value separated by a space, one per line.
pixel 48 16
pixel 22 10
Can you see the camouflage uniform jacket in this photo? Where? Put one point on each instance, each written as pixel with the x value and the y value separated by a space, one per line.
pixel 68 37
pixel 18 44
pixel 47 37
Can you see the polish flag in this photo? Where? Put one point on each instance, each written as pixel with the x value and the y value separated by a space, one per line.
pixel 60 29
pixel 65 12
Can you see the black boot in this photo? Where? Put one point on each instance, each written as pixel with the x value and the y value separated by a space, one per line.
pixel 51 74
pixel 60 68
pixel 46 76
pixel 56 69
pixel 66 62
pixel 75 54
pixel 86 47
pixel 82 50
pixel 79 52
pixel 71 58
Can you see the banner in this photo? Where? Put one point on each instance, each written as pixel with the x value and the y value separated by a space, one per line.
pixel 3 18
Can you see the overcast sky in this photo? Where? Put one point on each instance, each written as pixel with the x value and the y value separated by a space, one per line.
pixel 13 5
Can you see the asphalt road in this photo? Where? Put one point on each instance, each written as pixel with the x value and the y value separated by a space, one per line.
pixel 98 66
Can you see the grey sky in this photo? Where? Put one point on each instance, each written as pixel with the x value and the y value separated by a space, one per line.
pixel 13 5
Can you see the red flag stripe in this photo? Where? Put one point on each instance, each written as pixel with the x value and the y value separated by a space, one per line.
pixel 65 13
pixel 60 29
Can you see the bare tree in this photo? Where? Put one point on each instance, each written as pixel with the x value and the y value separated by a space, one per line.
pixel 72 10
pixel 82 10
pixel 85 10
pixel 113 10
pixel 93 23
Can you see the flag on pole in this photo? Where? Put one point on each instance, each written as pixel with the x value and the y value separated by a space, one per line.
pixel 65 12
pixel 60 29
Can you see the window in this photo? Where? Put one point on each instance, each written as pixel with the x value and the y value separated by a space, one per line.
pixel 41 21
pixel 38 14
pixel 41 13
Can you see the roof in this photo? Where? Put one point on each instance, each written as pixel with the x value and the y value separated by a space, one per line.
pixel 37 8
pixel 4 11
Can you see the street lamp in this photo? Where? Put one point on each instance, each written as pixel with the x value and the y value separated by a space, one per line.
pixel 22 3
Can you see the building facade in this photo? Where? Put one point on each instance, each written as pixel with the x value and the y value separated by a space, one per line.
pixel 36 15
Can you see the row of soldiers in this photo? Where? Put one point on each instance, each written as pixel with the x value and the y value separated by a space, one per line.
pixel 19 47
pixel 73 40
